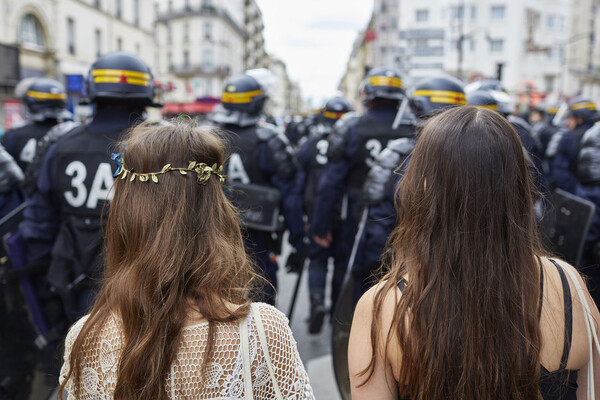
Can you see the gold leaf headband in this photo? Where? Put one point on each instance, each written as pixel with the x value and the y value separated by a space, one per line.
pixel 202 170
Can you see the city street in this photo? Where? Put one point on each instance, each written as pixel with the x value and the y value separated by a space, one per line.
pixel 315 350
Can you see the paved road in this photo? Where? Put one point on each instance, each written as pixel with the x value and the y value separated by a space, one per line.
pixel 315 350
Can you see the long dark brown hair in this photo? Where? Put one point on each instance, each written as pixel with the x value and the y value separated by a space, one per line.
pixel 170 246
pixel 466 240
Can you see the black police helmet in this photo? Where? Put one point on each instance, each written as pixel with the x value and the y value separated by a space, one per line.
pixel 243 93
pixel 492 100
pixel 435 94
pixel 584 108
pixel 45 97
pixel 335 108
pixel 120 78
pixel 383 83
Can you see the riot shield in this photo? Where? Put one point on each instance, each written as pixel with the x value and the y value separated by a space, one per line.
pixel 340 334
pixel 565 225
pixel 259 205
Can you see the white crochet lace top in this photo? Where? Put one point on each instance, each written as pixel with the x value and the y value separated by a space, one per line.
pixel 279 374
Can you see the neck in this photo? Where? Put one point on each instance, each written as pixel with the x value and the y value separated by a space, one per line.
pixel 113 118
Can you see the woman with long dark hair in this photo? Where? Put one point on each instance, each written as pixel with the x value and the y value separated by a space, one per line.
pixel 470 307
pixel 173 319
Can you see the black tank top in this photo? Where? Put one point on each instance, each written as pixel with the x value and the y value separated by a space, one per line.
pixel 562 383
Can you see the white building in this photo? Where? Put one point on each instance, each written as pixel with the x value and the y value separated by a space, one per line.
pixel 62 38
pixel 523 40
pixel 583 52
pixel 199 44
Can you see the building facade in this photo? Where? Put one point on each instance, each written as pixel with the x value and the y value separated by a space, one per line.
pixel 520 41
pixel 583 49
pixel 361 60
pixel 62 38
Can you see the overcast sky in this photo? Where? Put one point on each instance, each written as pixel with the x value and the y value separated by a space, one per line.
pixel 314 38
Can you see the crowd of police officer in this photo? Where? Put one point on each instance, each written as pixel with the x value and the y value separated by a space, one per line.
pixel 328 179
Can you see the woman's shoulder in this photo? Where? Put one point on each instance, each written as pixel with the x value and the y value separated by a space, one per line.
pixel 269 314
pixel 74 331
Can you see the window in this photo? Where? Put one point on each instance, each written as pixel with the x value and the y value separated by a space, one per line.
pixel 551 21
pixel 170 61
pixel 136 12
pixel 422 15
pixel 186 32
pixel 118 8
pixel 30 31
pixel 170 5
pixel 119 44
pixel 188 7
pixel 70 35
pixel 156 10
pixel 207 3
pixel 497 12
pixel 473 13
pixel 169 33
pixel 98 43
pixel 472 45
pixel 97 3
pixel 207 59
pixel 207 30
pixel 457 12
pixel 496 45
pixel 186 60
pixel 138 49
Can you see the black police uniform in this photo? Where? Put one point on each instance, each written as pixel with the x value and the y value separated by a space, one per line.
pixel 66 211
pixel 353 146
pixel 313 158
pixel 260 158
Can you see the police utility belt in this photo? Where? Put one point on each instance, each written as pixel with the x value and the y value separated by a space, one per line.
pixel 258 205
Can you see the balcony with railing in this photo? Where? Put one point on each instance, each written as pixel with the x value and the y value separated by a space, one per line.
pixel 190 70
pixel 164 16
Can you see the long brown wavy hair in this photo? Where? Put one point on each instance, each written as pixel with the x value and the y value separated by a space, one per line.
pixel 171 247
pixel 467 324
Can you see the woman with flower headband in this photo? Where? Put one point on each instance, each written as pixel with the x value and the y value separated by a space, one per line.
pixel 470 308
pixel 173 317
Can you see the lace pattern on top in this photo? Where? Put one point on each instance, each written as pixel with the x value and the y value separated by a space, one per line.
pixel 225 373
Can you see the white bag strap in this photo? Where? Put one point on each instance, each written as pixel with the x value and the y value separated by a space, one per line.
pixel 591 332
pixel 263 343
pixel 246 366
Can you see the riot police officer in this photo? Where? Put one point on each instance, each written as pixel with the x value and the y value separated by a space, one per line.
pixel 262 176
pixel 588 187
pixel 564 146
pixel 544 127
pixel 353 146
pixel 45 103
pixel 313 157
pixel 429 97
pixel 65 217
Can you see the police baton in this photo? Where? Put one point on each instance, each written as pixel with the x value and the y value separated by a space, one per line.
pixel 400 113
pixel 296 288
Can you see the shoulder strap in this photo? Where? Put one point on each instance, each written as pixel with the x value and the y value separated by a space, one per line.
pixel 246 367
pixel 568 316
pixel 590 328
pixel 260 329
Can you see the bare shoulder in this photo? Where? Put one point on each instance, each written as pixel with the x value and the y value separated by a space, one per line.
pixel 274 322
pixel 366 304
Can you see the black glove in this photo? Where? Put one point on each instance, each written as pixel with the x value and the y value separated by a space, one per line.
pixel 295 262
